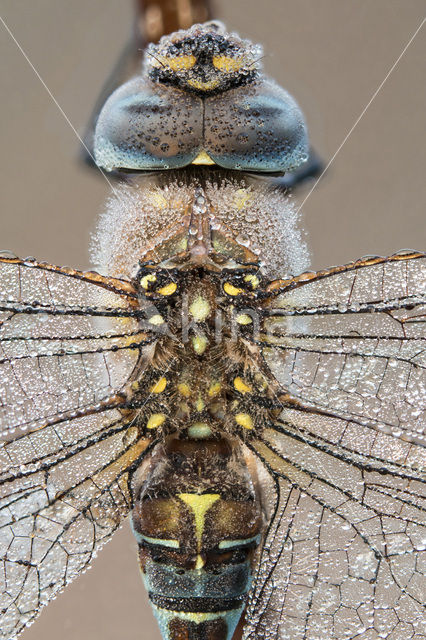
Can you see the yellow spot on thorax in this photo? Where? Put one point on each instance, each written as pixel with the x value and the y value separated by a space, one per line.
pixel 199 431
pixel 244 420
pixel 203 158
pixel 241 386
pixel 155 420
pixel 168 289
pixel 244 318
pixel 231 290
pixel 199 405
pixel 184 389
pixel 254 280
pixel 242 198
pixel 199 505
pixel 157 199
pixel 144 282
pixel 199 344
pixel 156 320
pixel 199 309
pixel 214 389
pixel 159 386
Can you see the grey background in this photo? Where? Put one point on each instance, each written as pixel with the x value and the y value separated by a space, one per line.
pixel 330 54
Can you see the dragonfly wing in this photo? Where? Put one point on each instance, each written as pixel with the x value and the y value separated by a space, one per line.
pixel 67 450
pixel 343 553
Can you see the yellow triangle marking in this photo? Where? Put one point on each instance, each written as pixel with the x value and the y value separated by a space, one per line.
pixel 199 504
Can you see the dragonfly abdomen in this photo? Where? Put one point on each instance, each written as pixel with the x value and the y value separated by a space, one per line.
pixel 198 521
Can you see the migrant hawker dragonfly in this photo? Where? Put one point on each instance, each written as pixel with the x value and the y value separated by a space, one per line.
pixel 306 380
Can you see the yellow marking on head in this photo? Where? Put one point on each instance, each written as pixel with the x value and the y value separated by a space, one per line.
pixel 168 289
pixel 199 309
pixel 184 389
pixel 156 420
pixel 228 64
pixel 203 158
pixel 159 386
pixel 199 431
pixel 199 344
pixel 244 420
pixel 199 405
pixel 254 280
pixel 244 318
pixel 199 505
pixel 241 386
pixel 203 86
pixel 135 385
pixel 231 290
pixel 179 63
pixel 144 282
pixel 214 389
pixel 200 562
pixel 242 198
pixel 156 320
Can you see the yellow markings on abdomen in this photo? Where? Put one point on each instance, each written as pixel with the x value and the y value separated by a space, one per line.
pixel 199 505
pixel 155 420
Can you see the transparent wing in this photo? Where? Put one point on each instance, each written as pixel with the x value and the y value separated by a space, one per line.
pixel 70 341
pixel 351 343
pixel 67 339
pixel 344 551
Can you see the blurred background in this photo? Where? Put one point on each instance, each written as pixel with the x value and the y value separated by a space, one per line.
pixel 331 55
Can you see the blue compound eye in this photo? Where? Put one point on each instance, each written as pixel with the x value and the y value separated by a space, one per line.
pixel 146 126
pixel 149 126
pixel 258 128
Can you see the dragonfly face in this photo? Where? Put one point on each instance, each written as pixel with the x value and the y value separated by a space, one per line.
pixel 262 430
pixel 203 60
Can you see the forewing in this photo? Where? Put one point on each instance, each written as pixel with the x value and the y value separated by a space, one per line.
pixel 344 551
pixel 70 342
pixel 351 343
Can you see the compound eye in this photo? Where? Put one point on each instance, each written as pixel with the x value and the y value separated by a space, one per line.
pixel 180 63
pixel 228 64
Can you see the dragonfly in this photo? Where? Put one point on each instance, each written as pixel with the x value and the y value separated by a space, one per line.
pixel 259 427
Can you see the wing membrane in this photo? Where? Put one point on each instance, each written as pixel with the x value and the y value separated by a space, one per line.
pixel 68 339
pixel 352 345
pixel 56 514
pixel 69 343
pixel 344 550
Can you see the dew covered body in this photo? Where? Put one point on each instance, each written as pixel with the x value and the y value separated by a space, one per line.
pixel 263 431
